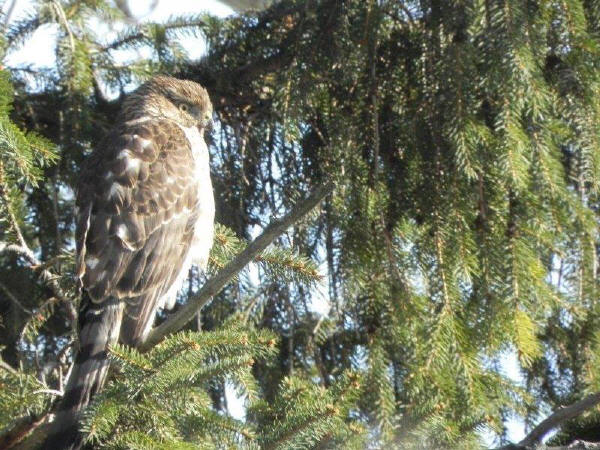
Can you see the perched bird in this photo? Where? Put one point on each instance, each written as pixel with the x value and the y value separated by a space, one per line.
pixel 144 214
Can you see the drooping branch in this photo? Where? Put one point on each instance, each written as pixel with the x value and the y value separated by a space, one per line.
pixel 554 420
pixel 217 282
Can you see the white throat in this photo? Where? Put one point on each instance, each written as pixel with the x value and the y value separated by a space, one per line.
pixel 196 141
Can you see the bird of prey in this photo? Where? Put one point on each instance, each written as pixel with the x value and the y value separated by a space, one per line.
pixel 144 214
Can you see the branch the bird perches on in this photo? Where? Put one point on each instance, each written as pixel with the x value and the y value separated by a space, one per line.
pixel 212 287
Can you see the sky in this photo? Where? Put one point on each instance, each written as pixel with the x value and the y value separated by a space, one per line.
pixel 38 52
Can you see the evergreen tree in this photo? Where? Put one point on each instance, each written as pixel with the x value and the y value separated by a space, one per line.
pixel 463 136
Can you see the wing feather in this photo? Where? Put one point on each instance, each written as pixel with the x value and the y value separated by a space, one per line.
pixel 141 196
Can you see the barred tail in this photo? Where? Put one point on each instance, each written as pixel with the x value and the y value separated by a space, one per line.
pixel 99 328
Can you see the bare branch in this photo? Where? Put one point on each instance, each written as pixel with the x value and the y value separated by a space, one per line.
pixel 576 445
pixel 22 428
pixel 554 420
pixel 215 284
pixel 49 392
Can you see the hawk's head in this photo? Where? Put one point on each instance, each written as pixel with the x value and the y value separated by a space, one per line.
pixel 183 101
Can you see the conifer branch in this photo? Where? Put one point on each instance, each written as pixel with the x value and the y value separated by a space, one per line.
pixel 216 283
pixel 289 434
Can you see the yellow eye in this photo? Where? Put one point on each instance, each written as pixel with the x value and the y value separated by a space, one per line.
pixel 183 107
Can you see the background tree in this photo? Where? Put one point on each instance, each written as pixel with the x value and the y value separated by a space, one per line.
pixel 464 138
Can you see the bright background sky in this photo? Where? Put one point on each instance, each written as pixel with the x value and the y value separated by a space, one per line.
pixel 38 53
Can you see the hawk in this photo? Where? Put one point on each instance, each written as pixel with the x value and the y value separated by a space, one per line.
pixel 144 214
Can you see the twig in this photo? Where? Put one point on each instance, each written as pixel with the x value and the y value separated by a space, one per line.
pixel 143 33
pixel 252 301
pixel 13 298
pixel 555 419
pixel 60 12
pixel 406 11
pixel 46 275
pixel 21 429
pixel 9 14
pixel 4 365
pixel 14 223
pixel 23 250
pixel 49 392
pixel 216 283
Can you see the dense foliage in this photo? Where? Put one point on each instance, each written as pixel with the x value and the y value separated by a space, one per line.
pixel 464 138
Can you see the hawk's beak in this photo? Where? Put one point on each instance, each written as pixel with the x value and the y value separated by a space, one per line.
pixel 206 124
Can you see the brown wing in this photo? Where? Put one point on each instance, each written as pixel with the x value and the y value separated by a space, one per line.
pixel 137 206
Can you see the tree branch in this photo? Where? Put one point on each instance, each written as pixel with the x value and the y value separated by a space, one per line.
pixel 46 275
pixel 215 284
pixel 144 32
pixel 555 419
pixel 575 445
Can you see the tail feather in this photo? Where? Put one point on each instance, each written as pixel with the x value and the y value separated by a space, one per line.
pixel 99 328
pixel 138 318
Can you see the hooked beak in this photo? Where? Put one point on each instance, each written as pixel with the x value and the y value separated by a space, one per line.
pixel 205 124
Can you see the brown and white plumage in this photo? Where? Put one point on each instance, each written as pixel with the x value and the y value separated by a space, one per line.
pixel 145 213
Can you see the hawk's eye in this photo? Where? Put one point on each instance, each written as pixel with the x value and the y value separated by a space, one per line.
pixel 183 107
